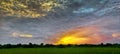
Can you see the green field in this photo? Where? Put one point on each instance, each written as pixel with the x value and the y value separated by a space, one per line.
pixel 61 51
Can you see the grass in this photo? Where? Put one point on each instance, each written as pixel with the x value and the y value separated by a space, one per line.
pixel 82 50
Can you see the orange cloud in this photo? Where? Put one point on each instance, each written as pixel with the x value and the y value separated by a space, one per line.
pixel 81 35
pixel 116 35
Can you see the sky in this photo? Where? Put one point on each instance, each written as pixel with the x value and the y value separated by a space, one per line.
pixel 59 21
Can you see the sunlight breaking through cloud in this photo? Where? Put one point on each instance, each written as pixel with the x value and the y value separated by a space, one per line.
pixel 27 8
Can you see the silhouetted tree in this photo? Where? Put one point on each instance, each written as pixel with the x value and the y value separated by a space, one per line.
pixel 48 45
pixel 62 46
pixel 0 46
pixel 108 44
pixel 7 46
pixel 30 45
pixel 19 45
pixel 102 44
pixel 41 45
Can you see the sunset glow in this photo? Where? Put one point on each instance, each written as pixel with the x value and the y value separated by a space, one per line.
pixel 81 35
pixel 116 35
pixel 72 40
pixel 60 21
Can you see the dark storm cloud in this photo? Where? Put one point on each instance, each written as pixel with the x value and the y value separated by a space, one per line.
pixel 70 14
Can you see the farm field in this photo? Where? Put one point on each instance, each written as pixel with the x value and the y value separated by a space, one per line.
pixel 82 50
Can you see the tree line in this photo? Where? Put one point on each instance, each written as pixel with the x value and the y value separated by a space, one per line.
pixel 42 45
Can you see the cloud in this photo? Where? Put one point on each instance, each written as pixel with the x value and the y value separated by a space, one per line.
pixel 27 8
pixel 29 21
pixel 22 35
pixel 116 35
pixel 81 35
